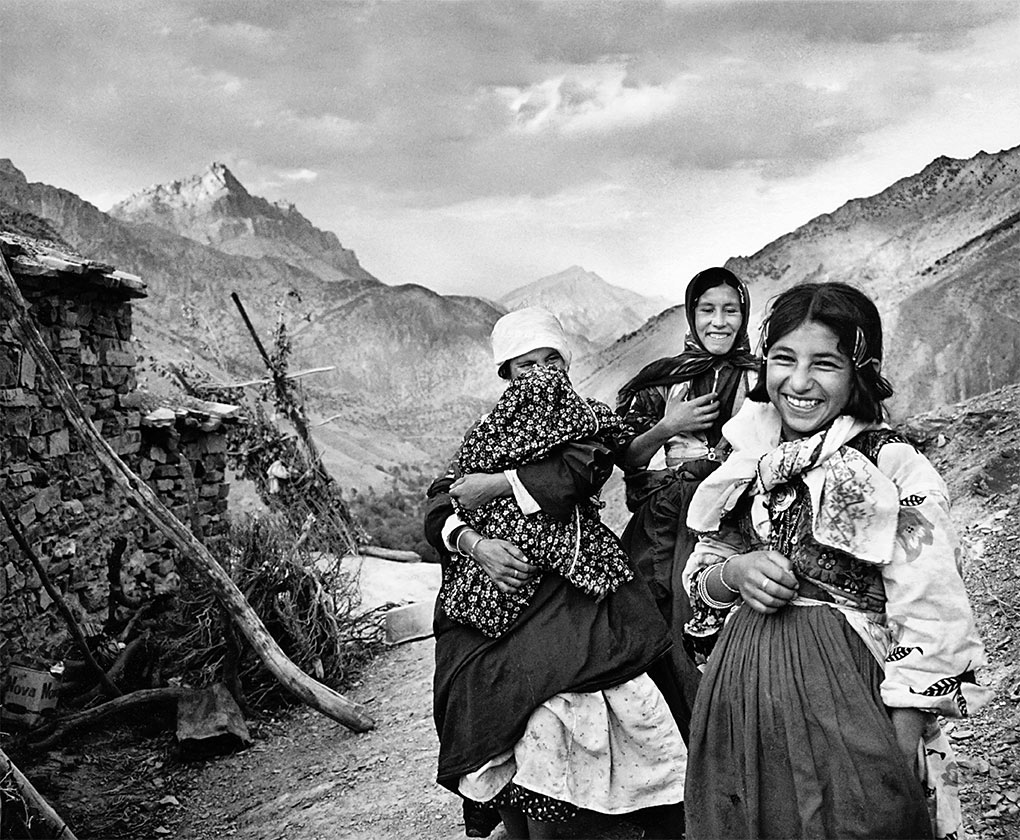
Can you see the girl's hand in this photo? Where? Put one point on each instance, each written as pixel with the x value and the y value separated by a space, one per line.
pixel 476 489
pixel 765 579
pixel 694 415
pixel 504 562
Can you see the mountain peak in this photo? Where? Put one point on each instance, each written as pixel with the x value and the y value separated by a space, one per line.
pixel 218 174
pixel 214 208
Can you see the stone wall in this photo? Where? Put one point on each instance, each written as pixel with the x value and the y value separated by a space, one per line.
pixel 68 509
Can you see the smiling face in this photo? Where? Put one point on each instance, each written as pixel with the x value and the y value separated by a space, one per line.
pixel 717 319
pixel 546 356
pixel 808 379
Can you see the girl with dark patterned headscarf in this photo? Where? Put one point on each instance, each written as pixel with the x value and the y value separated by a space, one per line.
pixel 678 406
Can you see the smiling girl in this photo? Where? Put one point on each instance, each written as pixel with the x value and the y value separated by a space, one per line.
pixel 678 406
pixel 829 568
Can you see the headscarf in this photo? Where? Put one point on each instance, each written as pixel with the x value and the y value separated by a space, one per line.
pixel 855 507
pixel 695 359
pixel 524 330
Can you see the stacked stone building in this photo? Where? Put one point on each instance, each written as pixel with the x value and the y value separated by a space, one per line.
pixel 69 510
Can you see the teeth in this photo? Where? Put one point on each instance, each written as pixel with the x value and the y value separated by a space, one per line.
pixel 796 403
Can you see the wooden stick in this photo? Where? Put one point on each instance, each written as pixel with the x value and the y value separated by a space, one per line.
pixel 266 380
pixel 88 717
pixel 296 415
pixel 141 496
pixel 105 682
pixel 35 800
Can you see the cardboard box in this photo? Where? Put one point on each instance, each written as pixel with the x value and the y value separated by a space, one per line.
pixel 28 695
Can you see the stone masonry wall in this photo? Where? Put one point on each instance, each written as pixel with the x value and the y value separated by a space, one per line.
pixel 68 509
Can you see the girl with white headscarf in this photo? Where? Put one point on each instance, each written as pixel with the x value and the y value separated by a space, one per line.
pixel 555 715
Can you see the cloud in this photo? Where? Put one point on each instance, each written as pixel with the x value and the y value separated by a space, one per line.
pixel 571 123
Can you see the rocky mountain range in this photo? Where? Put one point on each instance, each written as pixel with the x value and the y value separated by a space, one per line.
pixel 412 367
pixel 938 251
pixel 395 348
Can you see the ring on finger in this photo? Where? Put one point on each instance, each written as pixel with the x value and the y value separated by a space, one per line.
pixel 765 585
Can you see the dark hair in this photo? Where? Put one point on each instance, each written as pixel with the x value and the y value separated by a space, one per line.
pixel 853 318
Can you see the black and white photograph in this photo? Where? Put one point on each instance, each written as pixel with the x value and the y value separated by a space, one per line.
pixel 524 419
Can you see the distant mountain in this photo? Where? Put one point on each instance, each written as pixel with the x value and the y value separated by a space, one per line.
pixel 587 305
pixel 929 239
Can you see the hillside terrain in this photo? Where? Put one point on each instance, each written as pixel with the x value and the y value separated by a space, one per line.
pixel 936 250
pixel 307 778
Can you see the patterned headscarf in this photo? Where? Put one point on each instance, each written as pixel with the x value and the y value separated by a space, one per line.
pixel 855 507
pixel 695 359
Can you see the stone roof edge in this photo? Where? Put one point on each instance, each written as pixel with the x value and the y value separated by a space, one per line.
pixel 29 257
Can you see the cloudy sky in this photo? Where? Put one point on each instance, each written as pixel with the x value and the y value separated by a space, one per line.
pixel 475 146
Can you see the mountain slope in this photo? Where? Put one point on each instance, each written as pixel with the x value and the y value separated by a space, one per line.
pixel 947 226
pixel 961 335
pixel 884 243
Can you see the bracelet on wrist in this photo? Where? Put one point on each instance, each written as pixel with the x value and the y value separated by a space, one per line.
pixel 722 576
pixel 702 589
pixel 470 552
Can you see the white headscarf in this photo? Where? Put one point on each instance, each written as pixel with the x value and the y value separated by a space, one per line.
pixel 524 330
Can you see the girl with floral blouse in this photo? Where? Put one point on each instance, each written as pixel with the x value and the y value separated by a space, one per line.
pixel 828 574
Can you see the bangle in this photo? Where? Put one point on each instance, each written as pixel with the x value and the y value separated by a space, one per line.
pixel 471 551
pixel 702 589
pixel 722 576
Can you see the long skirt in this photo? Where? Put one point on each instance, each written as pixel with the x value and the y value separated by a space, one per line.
pixel 790 737
pixel 658 543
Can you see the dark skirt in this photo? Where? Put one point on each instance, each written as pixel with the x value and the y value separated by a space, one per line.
pixel 790 738
pixel 485 689
pixel 658 543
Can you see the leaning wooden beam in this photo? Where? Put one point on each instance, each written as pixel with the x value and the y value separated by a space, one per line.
pixel 108 686
pixel 141 496
pixel 265 380
pixel 89 717
pixel 34 800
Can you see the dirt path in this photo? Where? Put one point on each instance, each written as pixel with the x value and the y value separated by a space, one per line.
pixel 311 778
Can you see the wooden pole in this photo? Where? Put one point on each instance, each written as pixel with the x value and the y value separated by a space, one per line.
pixel 296 416
pixel 141 496
pixel 280 384
pixel 34 799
